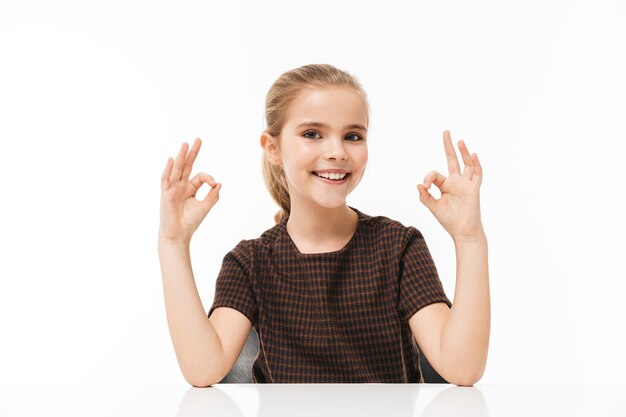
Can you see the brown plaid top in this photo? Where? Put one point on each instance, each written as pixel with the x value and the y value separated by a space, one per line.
pixel 333 317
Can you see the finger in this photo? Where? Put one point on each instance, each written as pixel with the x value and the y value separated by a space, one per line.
pixel 434 177
pixel 200 178
pixel 478 170
pixel 467 160
pixel 427 199
pixel 191 158
pixel 177 170
pixel 165 178
pixel 453 162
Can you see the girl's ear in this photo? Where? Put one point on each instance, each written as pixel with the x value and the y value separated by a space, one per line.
pixel 270 145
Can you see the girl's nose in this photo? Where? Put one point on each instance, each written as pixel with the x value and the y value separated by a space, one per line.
pixel 335 150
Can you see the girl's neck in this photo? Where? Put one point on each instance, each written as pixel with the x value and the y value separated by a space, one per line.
pixel 321 230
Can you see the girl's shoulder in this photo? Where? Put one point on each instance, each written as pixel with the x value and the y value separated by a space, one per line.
pixel 390 236
pixel 392 241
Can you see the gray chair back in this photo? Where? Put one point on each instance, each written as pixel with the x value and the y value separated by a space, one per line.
pixel 242 369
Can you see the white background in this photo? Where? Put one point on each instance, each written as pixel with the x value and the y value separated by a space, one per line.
pixel 95 97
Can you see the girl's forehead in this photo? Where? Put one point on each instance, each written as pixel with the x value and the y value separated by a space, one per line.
pixel 329 105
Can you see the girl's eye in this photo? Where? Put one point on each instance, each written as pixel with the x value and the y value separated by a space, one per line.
pixel 353 137
pixel 310 133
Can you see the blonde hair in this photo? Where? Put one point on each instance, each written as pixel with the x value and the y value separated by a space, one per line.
pixel 277 103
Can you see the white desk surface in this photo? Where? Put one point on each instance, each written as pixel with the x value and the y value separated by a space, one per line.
pixel 319 400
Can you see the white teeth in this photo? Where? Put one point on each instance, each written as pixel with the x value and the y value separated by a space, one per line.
pixel 331 175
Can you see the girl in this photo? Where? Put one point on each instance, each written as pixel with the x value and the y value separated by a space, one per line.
pixel 335 295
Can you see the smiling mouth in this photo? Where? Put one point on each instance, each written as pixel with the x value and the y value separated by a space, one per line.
pixel 332 176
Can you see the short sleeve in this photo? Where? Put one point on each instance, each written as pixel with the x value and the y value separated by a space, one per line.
pixel 233 287
pixel 419 282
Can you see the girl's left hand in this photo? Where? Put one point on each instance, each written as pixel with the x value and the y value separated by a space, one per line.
pixel 458 208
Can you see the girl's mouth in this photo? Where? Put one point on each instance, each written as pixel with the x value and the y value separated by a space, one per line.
pixel 332 177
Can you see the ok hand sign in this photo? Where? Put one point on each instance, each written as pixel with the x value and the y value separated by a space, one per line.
pixel 458 208
pixel 181 212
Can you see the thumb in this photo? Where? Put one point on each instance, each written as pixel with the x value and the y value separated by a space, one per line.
pixel 212 197
pixel 427 199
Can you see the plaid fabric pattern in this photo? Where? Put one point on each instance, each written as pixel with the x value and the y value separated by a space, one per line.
pixel 333 317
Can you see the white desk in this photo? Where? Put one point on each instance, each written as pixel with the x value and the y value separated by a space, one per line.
pixel 360 400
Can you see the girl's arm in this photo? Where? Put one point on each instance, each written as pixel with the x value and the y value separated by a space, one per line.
pixel 206 348
pixel 456 340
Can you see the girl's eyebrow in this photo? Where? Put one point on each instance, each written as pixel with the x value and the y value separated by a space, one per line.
pixel 323 125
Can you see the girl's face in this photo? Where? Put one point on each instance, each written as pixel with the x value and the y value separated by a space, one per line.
pixel 323 146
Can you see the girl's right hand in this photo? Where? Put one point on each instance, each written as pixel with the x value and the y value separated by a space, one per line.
pixel 181 212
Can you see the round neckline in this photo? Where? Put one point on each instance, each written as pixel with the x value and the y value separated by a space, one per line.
pixel 295 249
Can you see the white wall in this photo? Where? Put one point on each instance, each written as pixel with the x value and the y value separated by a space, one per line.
pixel 94 98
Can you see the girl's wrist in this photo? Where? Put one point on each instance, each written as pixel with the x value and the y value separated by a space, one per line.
pixel 479 237
pixel 173 243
